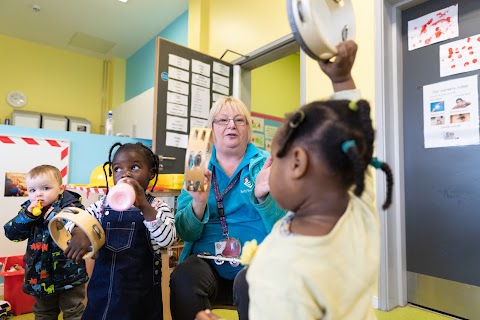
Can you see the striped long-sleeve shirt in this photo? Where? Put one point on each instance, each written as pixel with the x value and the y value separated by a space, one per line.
pixel 162 229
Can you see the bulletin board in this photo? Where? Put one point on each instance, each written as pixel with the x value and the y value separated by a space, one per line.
pixel 264 128
pixel 187 83
pixel 18 155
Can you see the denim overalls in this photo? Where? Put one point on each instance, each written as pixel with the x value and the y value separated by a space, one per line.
pixel 126 280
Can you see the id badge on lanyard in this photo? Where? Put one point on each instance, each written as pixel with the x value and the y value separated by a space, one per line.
pixel 227 247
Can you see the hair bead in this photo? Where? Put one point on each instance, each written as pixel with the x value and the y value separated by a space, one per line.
pixel 377 164
pixel 352 105
pixel 346 145
pixel 297 118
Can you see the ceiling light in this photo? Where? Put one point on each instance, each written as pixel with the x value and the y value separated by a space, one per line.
pixel 125 1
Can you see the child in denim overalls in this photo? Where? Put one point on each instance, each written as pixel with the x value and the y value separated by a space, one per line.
pixel 126 280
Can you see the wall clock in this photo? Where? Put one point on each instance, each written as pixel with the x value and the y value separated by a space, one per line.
pixel 16 99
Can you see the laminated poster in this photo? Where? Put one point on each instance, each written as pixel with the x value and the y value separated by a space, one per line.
pixel 450 110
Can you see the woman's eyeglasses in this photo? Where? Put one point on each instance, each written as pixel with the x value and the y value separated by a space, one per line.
pixel 239 121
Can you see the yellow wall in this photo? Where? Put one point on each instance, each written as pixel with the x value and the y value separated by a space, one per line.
pixel 56 81
pixel 318 85
pixel 276 87
pixel 116 83
pixel 244 26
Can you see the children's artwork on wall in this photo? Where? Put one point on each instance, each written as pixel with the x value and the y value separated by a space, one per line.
pixel 15 184
pixel 432 28
pixel 258 124
pixel 460 56
pixel 258 140
pixel 264 128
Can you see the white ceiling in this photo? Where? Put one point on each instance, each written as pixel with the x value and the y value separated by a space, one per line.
pixel 95 23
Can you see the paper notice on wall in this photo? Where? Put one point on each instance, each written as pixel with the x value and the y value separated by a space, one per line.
pixel 177 109
pixel 200 80
pixel 270 132
pixel 450 111
pixel 460 56
pixel 177 98
pixel 179 62
pixel 178 86
pixel 222 69
pixel 177 123
pixel 200 102
pixel 201 68
pixel 198 123
pixel 178 74
pixel 219 88
pixel 433 27
pixel 224 81
pixel 176 140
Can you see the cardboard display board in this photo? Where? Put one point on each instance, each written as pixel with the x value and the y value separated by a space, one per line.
pixel 187 83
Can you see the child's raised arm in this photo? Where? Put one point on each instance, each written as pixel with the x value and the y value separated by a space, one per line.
pixel 339 69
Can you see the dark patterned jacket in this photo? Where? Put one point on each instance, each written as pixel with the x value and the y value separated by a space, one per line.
pixel 47 270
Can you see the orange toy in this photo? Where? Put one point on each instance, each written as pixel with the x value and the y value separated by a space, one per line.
pixel 38 209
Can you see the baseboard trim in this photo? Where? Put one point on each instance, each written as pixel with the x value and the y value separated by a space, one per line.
pixel 1 289
pixel 375 302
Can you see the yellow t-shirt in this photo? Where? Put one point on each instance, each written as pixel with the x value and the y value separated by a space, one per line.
pixel 326 277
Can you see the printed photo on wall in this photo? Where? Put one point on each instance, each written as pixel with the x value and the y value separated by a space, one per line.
pixel 15 185
pixel 437 121
pixel 437 106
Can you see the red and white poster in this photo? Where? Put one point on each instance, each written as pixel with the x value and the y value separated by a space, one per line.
pixel 20 154
pixel 460 56
pixel 434 27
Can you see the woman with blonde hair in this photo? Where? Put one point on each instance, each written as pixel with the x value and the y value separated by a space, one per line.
pixel 236 208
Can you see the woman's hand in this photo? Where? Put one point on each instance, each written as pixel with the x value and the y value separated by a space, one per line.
pixel 78 246
pixel 200 198
pixel 262 187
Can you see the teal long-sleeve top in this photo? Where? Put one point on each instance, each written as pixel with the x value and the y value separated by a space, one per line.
pixel 247 219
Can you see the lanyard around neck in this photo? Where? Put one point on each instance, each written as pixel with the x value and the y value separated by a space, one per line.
pixel 219 198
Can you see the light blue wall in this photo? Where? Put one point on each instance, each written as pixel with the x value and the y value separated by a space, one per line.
pixel 87 151
pixel 140 67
